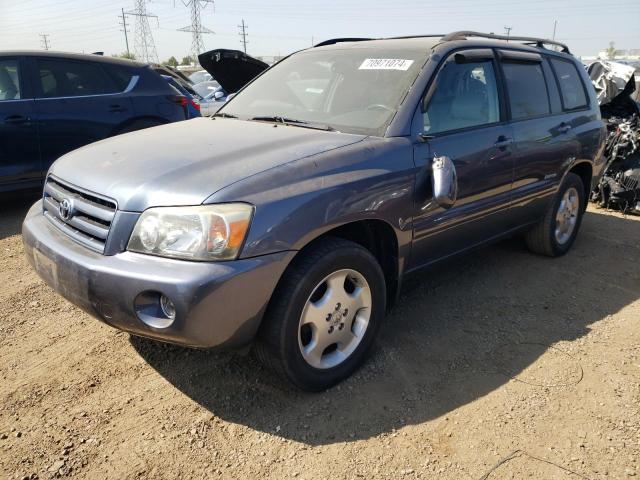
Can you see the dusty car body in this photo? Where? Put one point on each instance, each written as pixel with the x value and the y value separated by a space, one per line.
pixel 403 153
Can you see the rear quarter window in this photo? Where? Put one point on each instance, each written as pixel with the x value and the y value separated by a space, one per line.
pixel 527 90
pixel 571 86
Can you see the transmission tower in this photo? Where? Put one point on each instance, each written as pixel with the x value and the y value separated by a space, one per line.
pixel 143 45
pixel 196 28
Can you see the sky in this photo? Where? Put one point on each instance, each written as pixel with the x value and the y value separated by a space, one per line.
pixel 279 27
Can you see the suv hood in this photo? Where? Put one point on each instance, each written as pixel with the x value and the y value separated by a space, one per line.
pixel 232 69
pixel 184 163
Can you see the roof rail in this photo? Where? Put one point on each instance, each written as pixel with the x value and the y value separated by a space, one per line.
pixel 539 42
pixel 333 41
pixel 408 37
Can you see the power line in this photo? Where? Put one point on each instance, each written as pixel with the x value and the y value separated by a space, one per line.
pixel 196 28
pixel 144 46
pixel 45 40
pixel 124 29
pixel 507 30
pixel 243 34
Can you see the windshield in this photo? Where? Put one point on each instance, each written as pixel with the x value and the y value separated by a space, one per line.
pixel 200 76
pixel 354 90
pixel 206 88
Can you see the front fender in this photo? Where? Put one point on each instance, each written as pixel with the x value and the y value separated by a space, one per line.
pixel 299 201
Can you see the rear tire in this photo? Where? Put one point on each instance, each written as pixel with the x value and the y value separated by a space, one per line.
pixel 557 231
pixel 324 315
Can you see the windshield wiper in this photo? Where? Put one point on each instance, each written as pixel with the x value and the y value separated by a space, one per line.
pixel 224 115
pixel 293 122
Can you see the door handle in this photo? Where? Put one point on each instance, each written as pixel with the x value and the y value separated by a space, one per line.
pixel 116 108
pixel 16 119
pixel 564 127
pixel 503 142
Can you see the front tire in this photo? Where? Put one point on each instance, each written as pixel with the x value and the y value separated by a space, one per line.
pixel 324 315
pixel 557 231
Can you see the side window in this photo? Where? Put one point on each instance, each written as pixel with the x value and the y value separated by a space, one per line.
pixel 63 78
pixel 9 80
pixel 571 86
pixel 465 95
pixel 527 89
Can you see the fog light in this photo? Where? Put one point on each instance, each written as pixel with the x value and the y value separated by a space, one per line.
pixel 167 306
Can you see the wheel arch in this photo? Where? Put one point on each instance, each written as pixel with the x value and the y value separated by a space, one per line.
pixel 585 171
pixel 379 238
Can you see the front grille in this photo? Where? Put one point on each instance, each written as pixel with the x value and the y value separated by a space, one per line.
pixel 89 216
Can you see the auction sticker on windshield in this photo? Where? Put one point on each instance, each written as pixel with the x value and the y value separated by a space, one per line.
pixel 385 64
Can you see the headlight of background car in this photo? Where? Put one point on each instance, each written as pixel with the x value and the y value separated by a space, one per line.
pixel 206 232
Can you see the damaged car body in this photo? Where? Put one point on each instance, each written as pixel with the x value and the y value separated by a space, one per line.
pixel 288 220
pixel 620 185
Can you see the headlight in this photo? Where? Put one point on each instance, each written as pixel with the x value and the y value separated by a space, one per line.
pixel 206 232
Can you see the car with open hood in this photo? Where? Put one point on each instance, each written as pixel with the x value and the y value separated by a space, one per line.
pixel 232 70
pixel 288 220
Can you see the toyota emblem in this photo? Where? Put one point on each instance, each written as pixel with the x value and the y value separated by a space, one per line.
pixel 65 209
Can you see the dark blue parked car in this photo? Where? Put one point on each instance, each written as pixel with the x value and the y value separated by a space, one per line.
pixel 52 103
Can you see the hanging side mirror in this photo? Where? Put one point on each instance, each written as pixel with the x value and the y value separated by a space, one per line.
pixel 444 181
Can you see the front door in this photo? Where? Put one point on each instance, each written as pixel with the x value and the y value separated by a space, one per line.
pixel 462 118
pixel 19 154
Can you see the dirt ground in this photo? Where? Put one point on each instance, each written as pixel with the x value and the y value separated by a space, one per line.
pixel 497 365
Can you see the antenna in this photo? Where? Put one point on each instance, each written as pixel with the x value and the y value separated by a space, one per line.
pixel 196 28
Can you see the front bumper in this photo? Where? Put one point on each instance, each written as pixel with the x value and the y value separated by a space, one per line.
pixel 217 304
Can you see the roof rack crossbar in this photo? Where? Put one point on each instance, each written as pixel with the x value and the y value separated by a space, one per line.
pixel 539 42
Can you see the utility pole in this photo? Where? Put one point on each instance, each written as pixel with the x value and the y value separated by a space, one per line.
pixel 124 29
pixel 243 34
pixel 143 45
pixel 44 38
pixel 196 28
pixel 555 24
pixel 507 30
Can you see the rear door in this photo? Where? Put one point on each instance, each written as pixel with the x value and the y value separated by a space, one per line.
pixel 19 153
pixel 543 135
pixel 462 115
pixel 77 103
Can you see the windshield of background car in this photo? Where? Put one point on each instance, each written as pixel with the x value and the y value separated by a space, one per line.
pixel 354 90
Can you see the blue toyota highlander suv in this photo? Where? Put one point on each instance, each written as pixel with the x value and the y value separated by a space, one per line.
pixel 289 219
pixel 52 103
